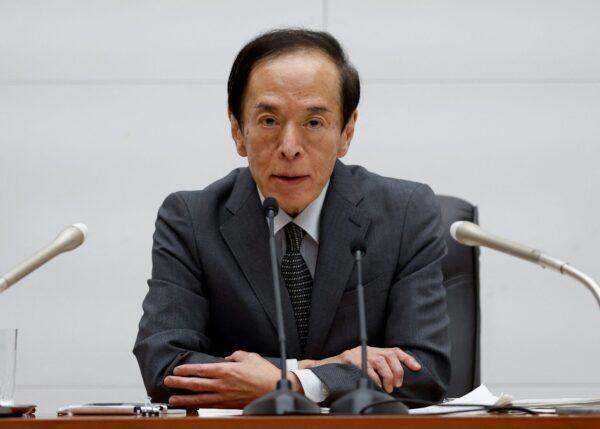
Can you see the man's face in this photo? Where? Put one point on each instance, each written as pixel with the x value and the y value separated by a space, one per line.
pixel 292 127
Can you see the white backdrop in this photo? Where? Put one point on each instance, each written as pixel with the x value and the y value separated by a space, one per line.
pixel 107 106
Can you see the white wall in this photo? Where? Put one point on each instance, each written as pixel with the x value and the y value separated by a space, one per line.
pixel 106 107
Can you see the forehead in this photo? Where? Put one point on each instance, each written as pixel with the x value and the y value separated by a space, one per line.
pixel 300 77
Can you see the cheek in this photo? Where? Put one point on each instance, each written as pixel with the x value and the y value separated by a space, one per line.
pixel 260 150
pixel 332 143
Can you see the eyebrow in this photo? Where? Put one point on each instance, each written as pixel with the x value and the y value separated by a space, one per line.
pixel 271 108
pixel 265 106
pixel 319 109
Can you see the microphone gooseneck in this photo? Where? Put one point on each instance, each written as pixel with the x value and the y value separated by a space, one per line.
pixel 358 250
pixel 69 239
pixel 283 400
pixel 365 399
pixel 271 208
pixel 470 234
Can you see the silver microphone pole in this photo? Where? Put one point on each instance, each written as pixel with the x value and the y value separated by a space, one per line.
pixel 70 238
pixel 470 234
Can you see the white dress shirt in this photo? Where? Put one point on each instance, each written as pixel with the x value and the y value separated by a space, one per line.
pixel 308 220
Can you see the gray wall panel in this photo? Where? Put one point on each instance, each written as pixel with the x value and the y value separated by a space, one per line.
pixel 470 40
pixel 124 40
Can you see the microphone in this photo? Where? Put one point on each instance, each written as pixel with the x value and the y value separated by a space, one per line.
pixel 271 208
pixel 283 400
pixel 69 239
pixel 470 234
pixel 358 250
pixel 365 397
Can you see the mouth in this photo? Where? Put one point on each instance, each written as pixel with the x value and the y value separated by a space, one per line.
pixel 289 179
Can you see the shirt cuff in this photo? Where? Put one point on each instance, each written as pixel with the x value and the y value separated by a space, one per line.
pixel 292 364
pixel 314 388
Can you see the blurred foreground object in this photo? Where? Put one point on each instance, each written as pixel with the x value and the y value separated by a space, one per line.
pixel 469 234
pixel 69 239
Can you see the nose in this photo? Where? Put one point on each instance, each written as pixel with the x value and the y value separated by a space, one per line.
pixel 290 146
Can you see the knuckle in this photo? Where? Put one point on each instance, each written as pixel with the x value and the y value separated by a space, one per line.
pixel 378 360
pixel 224 387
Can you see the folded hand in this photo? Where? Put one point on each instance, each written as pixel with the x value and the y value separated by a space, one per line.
pixel 232 384
pixel 384 365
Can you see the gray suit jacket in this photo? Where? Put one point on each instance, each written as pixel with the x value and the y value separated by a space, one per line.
pixel 211 290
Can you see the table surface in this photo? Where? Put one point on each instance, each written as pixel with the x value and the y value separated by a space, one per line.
pixel 293 422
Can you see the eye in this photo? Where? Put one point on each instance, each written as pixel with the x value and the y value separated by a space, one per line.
pixel 314 123
pixel 268 121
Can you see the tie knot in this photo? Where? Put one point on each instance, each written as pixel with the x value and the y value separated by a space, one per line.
pixel 293 235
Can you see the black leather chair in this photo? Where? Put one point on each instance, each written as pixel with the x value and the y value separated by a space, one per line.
pixel 461 280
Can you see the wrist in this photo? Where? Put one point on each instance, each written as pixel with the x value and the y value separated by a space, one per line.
pixel 296 385
pixel 307 364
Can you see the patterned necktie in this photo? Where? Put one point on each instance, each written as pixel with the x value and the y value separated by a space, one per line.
pixel 297 279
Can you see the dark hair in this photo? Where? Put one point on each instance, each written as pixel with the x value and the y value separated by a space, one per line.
pixel 282 41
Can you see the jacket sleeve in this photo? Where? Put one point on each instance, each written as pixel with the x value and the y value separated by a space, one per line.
pixel 173 327
pixel 172 330
pixel 417 321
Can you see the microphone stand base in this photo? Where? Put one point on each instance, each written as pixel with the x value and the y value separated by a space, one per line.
pixel 366 400
pixel 282 402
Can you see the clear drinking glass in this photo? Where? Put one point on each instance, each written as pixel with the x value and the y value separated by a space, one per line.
pixel 8 360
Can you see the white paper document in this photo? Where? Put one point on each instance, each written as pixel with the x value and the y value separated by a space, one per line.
pixel 555 402
pixel 219 412
pixel 481 395
pixel 229 412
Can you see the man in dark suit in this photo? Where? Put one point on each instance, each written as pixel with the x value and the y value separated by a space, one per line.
pixel 208 337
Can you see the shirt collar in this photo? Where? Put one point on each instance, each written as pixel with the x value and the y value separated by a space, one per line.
pixel 308 219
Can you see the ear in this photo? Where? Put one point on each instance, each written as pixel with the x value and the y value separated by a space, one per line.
pixel 347 134
pixel 238 135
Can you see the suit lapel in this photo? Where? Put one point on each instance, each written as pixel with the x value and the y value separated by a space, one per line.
pixel 341 221
pixel 247 235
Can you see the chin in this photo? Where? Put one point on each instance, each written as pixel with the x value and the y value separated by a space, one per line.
pixel 293 208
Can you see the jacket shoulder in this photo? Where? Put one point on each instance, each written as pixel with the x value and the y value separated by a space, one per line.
pixel 391 192
pixel 214 195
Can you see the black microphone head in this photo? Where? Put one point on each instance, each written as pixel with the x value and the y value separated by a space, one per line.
pixel 269 204
pixel 358 245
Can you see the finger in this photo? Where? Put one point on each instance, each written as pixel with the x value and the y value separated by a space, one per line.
pixel 407 359
pixel 374 376
pixel 196 401
pixel 237 356
pixel 351 357
pixel 209 370
pixel 396 367
pixel 195 384
pixel 383 369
